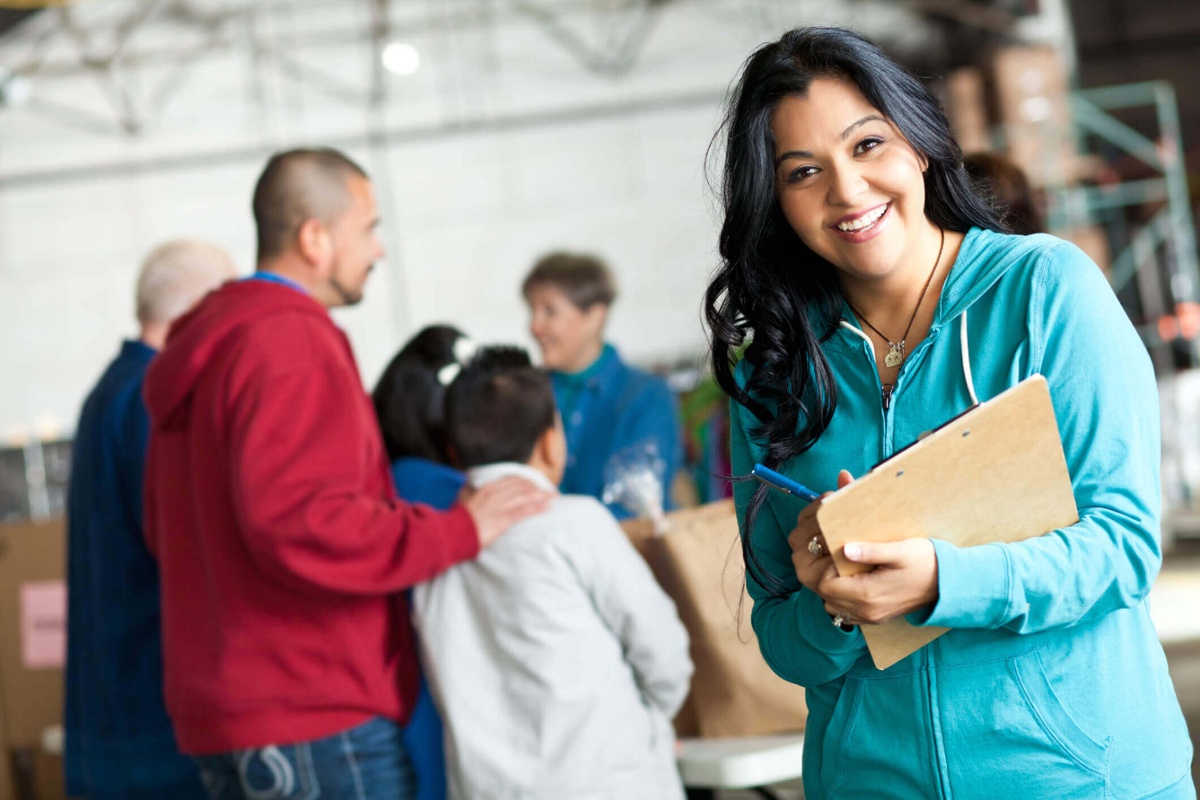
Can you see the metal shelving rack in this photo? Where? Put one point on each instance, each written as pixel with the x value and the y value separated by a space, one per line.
pixel 1160 253
pixel 33 480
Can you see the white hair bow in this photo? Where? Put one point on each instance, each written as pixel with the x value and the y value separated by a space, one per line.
pixel 464 351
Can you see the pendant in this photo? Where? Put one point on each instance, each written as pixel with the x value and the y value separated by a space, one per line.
pixel 894 357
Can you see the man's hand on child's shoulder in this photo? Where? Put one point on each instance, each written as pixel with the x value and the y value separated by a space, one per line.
pixel 499 505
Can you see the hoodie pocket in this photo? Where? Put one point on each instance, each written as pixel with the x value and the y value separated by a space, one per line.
pixel 876 744
pixel 841 729
pixel 1055 719
pixel 995 729
pixel 1005 724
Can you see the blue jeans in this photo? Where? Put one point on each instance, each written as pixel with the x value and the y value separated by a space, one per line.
pixel 367 762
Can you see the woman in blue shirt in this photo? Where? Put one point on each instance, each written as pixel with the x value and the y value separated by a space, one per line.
pixel 409 403
pixel 880 298
pixel 614 414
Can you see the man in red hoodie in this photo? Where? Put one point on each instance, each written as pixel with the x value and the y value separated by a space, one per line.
pixel 283 550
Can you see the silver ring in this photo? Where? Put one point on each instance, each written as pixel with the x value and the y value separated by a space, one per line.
pixel 839 620
pixel 814 547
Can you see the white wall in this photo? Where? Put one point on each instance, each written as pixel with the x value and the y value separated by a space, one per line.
pixel 501 147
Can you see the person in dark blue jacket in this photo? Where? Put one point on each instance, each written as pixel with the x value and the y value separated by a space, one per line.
pixel 409 403
pixel 119 742
pixel 615 415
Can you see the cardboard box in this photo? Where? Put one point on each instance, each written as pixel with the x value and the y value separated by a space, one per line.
pixel 7 786
pixel 38 776
pixel 32 639
pixel 1030 85
pixel 967 109
pixel 49 779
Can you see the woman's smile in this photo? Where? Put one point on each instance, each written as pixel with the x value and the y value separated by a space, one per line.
pixel 863 226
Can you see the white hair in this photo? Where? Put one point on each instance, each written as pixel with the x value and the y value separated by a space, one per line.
pixel 178 273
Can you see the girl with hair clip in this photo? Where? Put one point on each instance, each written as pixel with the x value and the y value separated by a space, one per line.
pixel 881 297
pixel 408 401
pixel 410 404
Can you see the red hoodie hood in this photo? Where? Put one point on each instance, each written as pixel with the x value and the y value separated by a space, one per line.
pixel 196 338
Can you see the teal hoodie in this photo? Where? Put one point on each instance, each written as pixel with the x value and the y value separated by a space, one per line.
pixel 1052 683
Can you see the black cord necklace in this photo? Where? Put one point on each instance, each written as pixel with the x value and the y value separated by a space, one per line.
pixel 895 356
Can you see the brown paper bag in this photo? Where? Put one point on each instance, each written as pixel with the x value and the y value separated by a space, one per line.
pixel 698 561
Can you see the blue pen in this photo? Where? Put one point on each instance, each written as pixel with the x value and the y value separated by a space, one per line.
pixel 783 483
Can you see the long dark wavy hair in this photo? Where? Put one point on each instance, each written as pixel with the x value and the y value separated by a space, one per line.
pixel 773 291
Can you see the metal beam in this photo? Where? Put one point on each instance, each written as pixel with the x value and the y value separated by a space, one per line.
pixel 373 136
pixel 616 56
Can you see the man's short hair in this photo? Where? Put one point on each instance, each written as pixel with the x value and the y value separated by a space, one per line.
pixel 176 274
pixel 584 278
pixel 296 186
pixel 498 407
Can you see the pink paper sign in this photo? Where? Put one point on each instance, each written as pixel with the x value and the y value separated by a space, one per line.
pixel 43 624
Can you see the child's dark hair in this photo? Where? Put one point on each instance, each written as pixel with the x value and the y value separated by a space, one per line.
pixel 498 407
pixel 409 397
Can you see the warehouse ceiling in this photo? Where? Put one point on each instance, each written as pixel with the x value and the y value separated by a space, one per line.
pixel 138 69
pixel 606 37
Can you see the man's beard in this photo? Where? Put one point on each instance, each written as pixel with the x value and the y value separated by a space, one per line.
pixel 348 298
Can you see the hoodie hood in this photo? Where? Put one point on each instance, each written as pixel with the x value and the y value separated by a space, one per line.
pixel 980 264
pixel 208 331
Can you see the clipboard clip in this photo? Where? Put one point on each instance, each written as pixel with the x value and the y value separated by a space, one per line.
pixel 926 434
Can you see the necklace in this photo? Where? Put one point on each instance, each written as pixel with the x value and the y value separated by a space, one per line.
pixel 895 356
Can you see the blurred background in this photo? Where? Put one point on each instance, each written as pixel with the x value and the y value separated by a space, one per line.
pixel 497 130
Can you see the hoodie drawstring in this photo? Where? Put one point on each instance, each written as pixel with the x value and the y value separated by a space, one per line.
pixel 966 360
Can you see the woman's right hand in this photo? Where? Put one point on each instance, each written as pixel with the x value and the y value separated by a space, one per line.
pixel 813 567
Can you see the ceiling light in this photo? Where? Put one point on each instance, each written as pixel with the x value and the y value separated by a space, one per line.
pixel 401 58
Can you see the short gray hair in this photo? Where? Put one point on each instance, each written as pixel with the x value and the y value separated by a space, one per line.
pixel 178 273
pixel 584 278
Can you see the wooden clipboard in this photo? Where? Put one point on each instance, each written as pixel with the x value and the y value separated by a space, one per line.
pixel 993 474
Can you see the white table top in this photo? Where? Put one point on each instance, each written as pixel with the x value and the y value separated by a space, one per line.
pixel 740 763
pixel 1174 599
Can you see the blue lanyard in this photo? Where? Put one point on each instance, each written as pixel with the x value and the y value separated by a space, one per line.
pixel 271 277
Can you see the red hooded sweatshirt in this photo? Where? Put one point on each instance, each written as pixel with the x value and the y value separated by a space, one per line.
pixel 281 543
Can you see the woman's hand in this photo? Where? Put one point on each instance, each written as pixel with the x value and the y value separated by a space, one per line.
pixel 813 563
pixel 903 579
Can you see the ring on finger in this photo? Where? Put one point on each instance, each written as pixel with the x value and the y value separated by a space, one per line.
pixel 815 547
pixel 839 620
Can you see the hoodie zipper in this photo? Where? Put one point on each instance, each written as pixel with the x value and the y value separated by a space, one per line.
pixel 885 389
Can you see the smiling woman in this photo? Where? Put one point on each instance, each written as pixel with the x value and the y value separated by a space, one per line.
pixel 613 413
pixel 861 274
